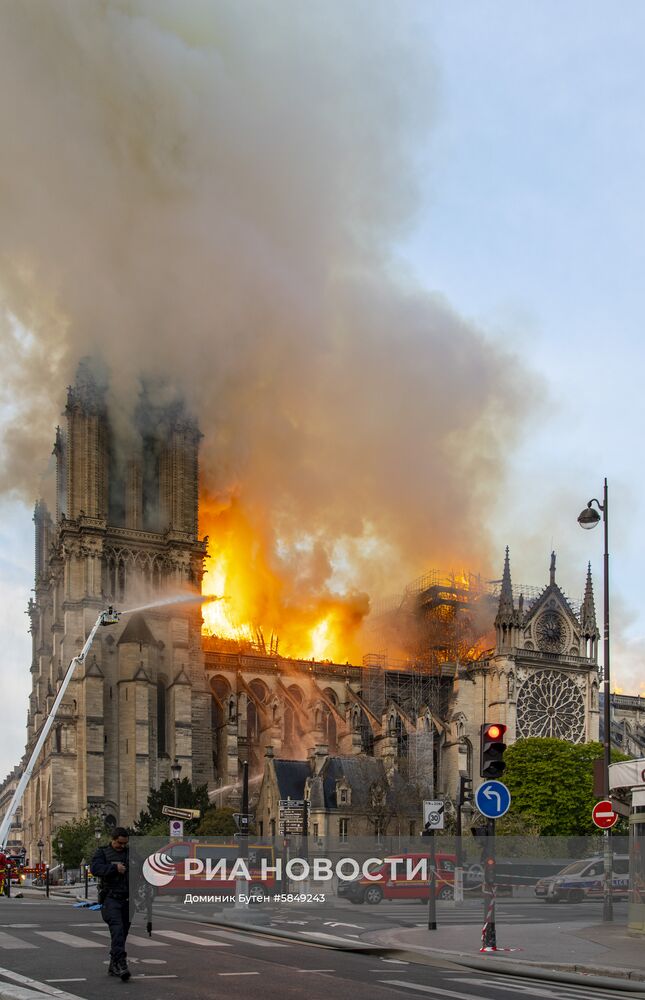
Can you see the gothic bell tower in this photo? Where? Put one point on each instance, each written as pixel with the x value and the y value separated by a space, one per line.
pixel 124 533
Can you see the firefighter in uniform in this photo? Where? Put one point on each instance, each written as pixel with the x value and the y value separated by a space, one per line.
pixel 110 865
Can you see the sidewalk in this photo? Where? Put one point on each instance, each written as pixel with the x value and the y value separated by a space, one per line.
pixel 597 949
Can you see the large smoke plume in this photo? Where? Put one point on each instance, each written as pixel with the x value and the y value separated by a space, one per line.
pixel 213 193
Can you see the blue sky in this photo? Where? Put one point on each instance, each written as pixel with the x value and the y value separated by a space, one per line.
pixel 531 226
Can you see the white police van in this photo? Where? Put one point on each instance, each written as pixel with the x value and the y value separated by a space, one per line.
pixel 584 880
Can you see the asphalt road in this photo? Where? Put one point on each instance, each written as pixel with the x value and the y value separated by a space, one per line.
pixel 340 917
pixel 64 948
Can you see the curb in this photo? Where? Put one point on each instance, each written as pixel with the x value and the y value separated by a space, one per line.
pixel 598 976
pixel 591 976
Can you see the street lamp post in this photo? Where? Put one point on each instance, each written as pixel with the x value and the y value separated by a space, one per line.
pixel 60 855
pixel 175 769
pixel 40 846
pixel 589 518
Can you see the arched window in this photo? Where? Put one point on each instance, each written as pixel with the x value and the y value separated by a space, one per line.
pixel 252 721
pixel 329 731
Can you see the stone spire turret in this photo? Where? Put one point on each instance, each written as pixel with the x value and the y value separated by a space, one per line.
pixel 505 617
pixel 588 610
pixel 552 570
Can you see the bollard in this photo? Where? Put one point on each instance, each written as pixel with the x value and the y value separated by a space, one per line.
pixel 86 874
pixel 47 881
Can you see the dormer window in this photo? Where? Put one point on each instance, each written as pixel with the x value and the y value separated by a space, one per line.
pixel 343 793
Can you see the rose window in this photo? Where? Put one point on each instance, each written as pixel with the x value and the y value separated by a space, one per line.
pixel 550 704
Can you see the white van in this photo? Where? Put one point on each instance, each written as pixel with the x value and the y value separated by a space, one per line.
pixel 584 880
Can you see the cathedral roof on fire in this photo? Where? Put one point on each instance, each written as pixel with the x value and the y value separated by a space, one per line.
pixel 137 630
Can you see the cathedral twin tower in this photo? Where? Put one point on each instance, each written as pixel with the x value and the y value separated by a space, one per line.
pixel 125 533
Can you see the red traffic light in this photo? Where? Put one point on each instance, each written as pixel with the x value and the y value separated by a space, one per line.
pixel 492 747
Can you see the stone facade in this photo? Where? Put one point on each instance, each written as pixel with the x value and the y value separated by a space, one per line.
pixel 124 530
pixel 541 679
pixel 7 788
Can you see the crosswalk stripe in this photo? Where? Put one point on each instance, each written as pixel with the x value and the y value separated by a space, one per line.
pixel 191 939
pixel 539 987
pixel 62 937
pixel 246 938
pixel 13 943
pixel 434 990
pixel 34 984
pixel 134 939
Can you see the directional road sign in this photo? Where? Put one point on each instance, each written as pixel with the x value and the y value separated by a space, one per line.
pixel 493 799
pixel 603 814
pixel 433 814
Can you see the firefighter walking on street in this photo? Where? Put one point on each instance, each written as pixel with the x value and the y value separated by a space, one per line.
pixel 110 866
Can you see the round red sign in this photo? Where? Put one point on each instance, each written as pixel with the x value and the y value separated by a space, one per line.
pixel 603 814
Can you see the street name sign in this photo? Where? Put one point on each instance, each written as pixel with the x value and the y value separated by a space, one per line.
pixel 493 799
pixel 180 813
pixel 603 814
pixel 433 814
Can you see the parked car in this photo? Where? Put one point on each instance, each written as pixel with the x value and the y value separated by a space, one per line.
pixel 373 890
pixel 584 880
pixel 178 851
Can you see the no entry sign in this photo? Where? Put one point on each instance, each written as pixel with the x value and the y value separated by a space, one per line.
pixel 603 815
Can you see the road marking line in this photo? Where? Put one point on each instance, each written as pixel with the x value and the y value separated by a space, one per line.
pixel 133 939
pixel 238 973
pixel 435 990
pixel 71 940
pixel 144 975
pixel 190 939
pixel 13 943
pixel 246 938
pixel 395 961
pixel 536 987
pixel 66 980
pixel 36 985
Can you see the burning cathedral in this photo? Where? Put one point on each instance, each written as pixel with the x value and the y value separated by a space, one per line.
pixel 155 688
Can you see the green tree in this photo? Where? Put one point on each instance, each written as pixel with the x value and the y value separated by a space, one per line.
pixel 217 823
pixel 78 839
pixel 187 798
pixel 552 782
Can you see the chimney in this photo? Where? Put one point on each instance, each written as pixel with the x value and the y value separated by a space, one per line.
pixel 317 757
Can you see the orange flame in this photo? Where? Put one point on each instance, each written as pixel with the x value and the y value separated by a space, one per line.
pixel 261 596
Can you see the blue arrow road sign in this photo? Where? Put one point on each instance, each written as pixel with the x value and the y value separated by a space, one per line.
pixel 493 799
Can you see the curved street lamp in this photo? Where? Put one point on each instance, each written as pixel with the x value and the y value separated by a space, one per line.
pixel 589 518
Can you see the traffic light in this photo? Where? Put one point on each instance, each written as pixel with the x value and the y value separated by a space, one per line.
pixel 465 789
pixel 491 758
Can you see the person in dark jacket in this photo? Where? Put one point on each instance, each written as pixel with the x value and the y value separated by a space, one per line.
pixel 110 865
